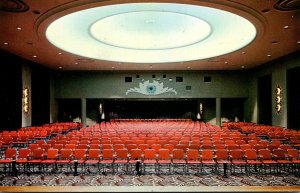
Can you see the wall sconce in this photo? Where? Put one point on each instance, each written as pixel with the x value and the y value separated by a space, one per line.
pixel 278 99
pixel 101 111
pixel 26 100
pixel 100 108
pixel 201 108
pixel 199 115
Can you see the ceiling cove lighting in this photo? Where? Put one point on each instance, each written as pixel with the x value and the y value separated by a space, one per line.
pixel 151 32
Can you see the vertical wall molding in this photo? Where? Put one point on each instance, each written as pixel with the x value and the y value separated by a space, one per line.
pixel 83 111
pixel 218 111
pixel 53 103
pixel 279 78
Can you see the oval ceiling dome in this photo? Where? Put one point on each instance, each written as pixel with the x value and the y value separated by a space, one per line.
pixel 151 32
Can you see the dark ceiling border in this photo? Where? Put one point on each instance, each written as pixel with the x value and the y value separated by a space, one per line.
pixel 13 6
pixel 287 5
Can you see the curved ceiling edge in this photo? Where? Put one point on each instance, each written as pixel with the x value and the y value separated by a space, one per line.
pixel 54 13
pixel 61 8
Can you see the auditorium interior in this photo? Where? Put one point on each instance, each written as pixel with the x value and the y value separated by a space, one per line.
pixel 150 96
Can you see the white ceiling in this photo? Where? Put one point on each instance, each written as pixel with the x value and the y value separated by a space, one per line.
pixel 161 35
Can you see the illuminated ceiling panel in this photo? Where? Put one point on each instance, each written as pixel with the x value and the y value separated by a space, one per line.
pixel 151 32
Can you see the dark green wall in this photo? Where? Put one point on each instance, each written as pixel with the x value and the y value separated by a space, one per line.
pixel 112 84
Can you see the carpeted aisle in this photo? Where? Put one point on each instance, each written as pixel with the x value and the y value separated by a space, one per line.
pixel 62 179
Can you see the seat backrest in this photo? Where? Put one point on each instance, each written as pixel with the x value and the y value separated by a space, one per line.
pixel 40 142
pixel 33 146
pixel 182 146
pixel 276 143
pixel 178 154
pixel 94 146
pixel 140 141
pixel 143 146
pixel 192 154
pixel 80 153
pixel 245 146
pixel 265 154
pixel 194 146
pixel 229 142
pixel 219 146
pixel 10 153
pixel 163 154
pixel 73 141
pixel 206 146
pixel 221 154
pixel 169 147
pixel 293 154
pixel 233 146
pixel 94 154
pixel 136 154
pixel 156 146
pixel 95 141
pixel 121 153
pixel 38 153
pixel 107 146
pixel 58 146
pixel 24 153
pixel 236 154
pixel 150 142
pixel 70 146
pixel 82 146
pixel 285 147
pixel 279 154
pixel 240 142
pixel 207 154
pixel 252 143
pixel 46 146
pixel 264 143
pixel 118 146
pixel 52 153
pixel 107 153
pixel 66 153
pixel 149 154
pixel 84 141
pixel 250 154
pixel 258 147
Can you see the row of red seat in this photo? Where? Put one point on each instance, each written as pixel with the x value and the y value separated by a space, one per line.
pixel 149 157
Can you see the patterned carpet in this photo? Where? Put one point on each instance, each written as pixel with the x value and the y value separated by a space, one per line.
pixel 63 179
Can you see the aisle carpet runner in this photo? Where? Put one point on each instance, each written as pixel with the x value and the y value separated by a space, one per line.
pixel 62 179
